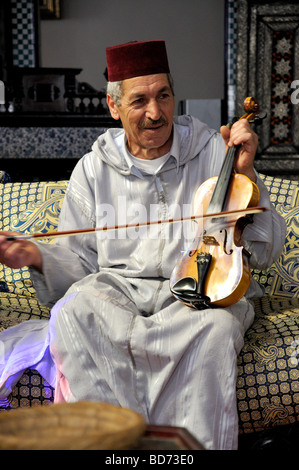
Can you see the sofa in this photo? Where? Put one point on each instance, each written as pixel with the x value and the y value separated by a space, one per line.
pixel 268 373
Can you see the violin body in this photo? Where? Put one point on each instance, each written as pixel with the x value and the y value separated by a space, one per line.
pixel 217 266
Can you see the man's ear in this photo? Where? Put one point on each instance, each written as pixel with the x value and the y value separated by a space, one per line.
pixel 112 107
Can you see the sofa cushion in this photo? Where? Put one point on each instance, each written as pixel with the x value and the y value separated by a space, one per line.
pixel 28 208
pixel 16 308
pixel 282 279
pixel 268 373
pixel 31 389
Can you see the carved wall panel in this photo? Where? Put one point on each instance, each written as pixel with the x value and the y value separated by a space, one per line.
pixel 267 67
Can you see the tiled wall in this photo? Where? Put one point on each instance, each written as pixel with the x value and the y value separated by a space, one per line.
pixel 23 33
pixel 231 53
pixel 47 142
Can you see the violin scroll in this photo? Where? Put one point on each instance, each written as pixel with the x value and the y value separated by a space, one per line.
pixel 251 105
pixel 252 109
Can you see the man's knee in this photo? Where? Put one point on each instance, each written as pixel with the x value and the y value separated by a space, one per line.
pixel 226 328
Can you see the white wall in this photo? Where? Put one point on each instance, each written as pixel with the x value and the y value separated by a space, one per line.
pixel 193 31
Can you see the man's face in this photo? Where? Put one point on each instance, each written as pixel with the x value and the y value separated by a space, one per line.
pixel 146 112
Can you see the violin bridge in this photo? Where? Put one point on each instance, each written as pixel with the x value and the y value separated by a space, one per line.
pixel 209 240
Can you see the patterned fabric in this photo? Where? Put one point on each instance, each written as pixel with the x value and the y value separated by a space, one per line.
pixel 28 208
pixel 15 309
pixel 31 389
pixel 268 373
pixel 283 277
pixel 268 377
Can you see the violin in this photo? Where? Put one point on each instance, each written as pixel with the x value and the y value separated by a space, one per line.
pixel 215 270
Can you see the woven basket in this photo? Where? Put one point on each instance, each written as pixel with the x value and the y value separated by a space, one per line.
pixel 70 426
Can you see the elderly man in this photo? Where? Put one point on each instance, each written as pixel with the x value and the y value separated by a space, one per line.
pixel 116 333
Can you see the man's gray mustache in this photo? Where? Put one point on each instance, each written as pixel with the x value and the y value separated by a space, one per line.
pixel 152 123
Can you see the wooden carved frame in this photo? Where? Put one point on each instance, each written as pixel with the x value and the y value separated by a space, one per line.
pixel 262 26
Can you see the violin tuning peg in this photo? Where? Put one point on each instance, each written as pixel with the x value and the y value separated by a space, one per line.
pixel 258 118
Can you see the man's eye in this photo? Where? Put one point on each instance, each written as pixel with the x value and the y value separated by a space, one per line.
pixel 138 101
pixel 164 95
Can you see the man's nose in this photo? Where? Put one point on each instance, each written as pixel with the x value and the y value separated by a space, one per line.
pixel 153 110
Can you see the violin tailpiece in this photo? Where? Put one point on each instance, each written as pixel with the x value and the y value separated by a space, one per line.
pixel 188 290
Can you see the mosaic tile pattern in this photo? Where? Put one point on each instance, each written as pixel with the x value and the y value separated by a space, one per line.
pixel 47 142
pixel 23 33
pixel 282 77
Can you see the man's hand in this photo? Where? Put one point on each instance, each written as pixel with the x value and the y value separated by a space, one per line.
pixel 19 253
pixel 242 134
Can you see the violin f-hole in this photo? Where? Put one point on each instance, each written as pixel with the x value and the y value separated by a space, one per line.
pixel 225 242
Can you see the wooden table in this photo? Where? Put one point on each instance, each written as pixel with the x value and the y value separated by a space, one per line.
pixel 168 438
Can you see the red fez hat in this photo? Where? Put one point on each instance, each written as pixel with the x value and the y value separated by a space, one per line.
pixel 135 59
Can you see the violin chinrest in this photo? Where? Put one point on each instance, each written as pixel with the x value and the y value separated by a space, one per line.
pixel 186 290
